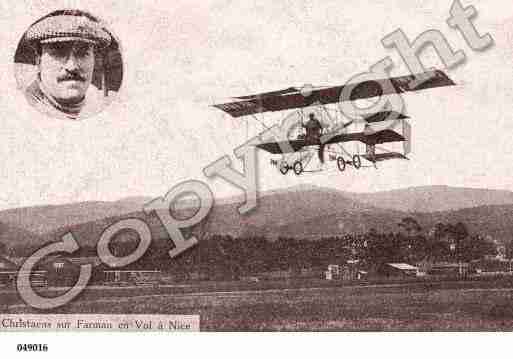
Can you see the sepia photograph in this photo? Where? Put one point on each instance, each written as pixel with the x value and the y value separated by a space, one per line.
pixel 256 167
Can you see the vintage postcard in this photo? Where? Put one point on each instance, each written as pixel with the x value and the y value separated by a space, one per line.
pixel 256 166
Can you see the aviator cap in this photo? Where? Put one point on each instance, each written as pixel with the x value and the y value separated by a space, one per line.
pixel 68 25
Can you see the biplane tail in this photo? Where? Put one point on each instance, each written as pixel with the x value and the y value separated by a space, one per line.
pixel 402 133
pixel 378 157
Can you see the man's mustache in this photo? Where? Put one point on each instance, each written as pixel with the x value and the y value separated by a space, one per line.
pixel 71 76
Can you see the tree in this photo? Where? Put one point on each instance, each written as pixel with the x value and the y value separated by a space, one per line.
pixel 459 233
pixel 410 226
pixel 476 247
pixel 3 249
pixel 438 231
pixel 384 248
pixel 509 250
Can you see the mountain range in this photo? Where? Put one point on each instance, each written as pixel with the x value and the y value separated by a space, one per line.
pixel 304 211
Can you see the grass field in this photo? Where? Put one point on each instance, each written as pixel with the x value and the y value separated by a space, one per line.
pixel 475 305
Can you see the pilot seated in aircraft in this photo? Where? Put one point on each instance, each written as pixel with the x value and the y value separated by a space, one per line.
pixel 313 129
pixel 313 134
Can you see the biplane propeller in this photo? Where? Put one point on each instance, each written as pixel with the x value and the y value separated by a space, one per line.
pixel 378 128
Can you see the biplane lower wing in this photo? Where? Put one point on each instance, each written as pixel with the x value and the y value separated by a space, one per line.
pixel 283 146
pixel 375 138
pixel 383 116
pixel 383 136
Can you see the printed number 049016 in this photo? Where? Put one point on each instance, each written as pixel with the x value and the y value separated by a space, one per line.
pixel 32 347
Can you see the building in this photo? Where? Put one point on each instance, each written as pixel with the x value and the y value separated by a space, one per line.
pixel 60 271
pixel 398 270
pixel 249 278
pixel 495 266
pixel 53 270
pixel 276 274
pixel 448 269
pixel 348 271
pixel 132 276
pixel 310 273
pixel 352 270
pixel 8 271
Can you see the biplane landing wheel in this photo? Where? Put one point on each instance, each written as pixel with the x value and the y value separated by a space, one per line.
pixel 284 168
pixel 341 163
pixel 357 162
pixel 298 167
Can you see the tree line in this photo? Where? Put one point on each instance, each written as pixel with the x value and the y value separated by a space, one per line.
pixel 228 256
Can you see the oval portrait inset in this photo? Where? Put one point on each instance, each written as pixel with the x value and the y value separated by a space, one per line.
pixel 69 65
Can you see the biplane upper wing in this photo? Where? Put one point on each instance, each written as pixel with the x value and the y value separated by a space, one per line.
pixel 291 98
pixel 268 94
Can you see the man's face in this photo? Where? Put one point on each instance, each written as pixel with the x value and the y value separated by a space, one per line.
pixel 66 69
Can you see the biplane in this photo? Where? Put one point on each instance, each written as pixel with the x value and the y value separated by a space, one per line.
pixel 327 130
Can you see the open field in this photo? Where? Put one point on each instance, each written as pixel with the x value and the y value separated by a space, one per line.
pixel 474 305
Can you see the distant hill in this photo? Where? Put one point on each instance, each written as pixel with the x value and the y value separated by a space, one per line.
pixel 273 211
pixel 304 211
pixel 44 219
pixel 433 198
pixel 12 236
pixel 496 221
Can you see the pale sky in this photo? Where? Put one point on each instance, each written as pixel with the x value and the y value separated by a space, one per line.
pixel 180 57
